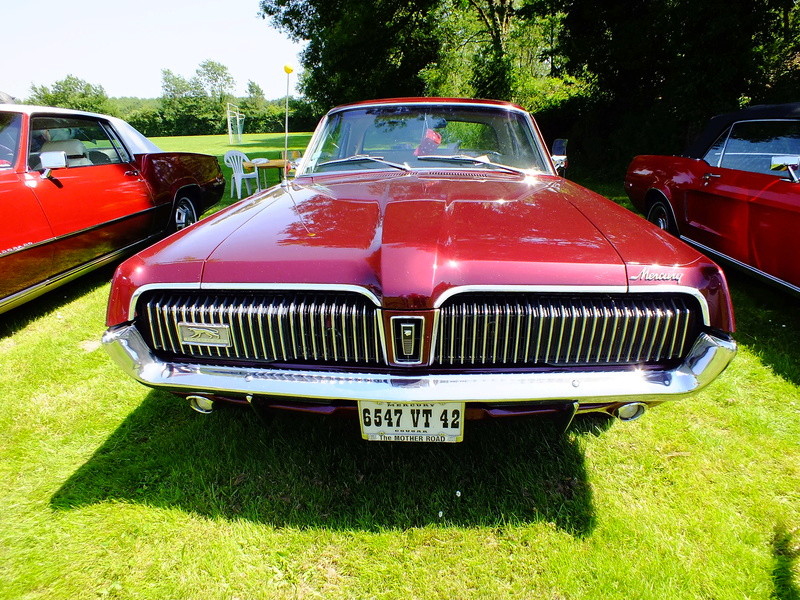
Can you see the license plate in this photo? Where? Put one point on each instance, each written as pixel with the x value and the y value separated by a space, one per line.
pixel 411 421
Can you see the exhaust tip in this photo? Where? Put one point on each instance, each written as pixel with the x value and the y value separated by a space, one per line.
pixel 201 404
pixel 631 411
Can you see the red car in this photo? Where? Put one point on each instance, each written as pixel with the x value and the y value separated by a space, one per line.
pixel 735 194
pixel 79 190
pixel 425 266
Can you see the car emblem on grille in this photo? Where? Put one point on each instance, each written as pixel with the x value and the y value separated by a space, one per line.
pixel 203 334
pixel 407 335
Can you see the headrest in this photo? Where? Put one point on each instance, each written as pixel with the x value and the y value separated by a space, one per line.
pixel 72 148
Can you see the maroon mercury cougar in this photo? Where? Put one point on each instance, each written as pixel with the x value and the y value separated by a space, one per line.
pixel 425 266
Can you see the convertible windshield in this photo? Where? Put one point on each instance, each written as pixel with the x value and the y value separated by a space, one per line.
pixel 425 136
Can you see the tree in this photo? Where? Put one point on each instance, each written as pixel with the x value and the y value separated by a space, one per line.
pixel 359 49
pixel 186 107
pixel 261 116
pixel 660 68
pixel 491 73
pixel 216 80
pixel 72 92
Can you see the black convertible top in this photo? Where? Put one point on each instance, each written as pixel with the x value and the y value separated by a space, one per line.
pixel 718 124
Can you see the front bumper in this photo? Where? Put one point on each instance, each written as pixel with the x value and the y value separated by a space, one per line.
pixel 708 358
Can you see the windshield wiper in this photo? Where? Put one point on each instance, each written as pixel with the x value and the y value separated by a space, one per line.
pixel 363 158
pixel 471 159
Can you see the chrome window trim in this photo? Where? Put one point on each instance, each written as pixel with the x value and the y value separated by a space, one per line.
pixel 724 149
pixel 534 129
pixel 742 265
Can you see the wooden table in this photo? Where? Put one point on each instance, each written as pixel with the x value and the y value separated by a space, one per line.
pixel 277 163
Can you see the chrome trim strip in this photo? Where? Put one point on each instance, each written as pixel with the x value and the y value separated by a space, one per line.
pixel 599 289
pixel 192 287
pixel 709 356
pixel 678 289
pixel 58 238
pixel 742 265
pixel 45 286
pixel 445 102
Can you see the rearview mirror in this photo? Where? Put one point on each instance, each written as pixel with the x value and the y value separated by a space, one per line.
pixel 786 162
pixel 52 160
pixel 559 155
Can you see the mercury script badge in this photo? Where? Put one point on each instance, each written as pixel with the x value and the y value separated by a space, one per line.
pixel 202 334
pixel 647 275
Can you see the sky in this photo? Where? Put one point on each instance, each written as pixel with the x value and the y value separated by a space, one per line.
pixel 123 46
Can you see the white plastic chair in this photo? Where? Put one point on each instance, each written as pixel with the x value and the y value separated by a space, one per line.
pixel 234 159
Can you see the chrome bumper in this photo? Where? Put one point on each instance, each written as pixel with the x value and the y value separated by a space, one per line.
pixel 708 358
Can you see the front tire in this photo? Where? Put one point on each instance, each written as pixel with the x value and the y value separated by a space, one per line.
pixel 184 214
pixel 660 216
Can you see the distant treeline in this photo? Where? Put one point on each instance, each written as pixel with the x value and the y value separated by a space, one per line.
pixel 194 106
pixel 617 77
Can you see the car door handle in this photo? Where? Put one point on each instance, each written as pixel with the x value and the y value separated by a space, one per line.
pixel 708 176
pixel 133 173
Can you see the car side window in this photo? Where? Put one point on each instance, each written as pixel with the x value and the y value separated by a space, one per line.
pixel 752 144
pixel 10 126
pixel 714 153
pixel 85 141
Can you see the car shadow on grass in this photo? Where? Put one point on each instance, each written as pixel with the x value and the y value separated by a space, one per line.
pixel 307 471
pixel 767 322
pixel 785 552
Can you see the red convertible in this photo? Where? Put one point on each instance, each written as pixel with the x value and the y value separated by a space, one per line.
pixel 79 190
pixel 734 194
pixel 426 266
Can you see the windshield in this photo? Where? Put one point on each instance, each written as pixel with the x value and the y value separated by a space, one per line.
pixel 10 126
pixel 425 137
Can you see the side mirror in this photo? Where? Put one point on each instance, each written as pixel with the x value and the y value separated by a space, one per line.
pixel 559 155
pixel 294 159
pixel 52 160
pixel 784 162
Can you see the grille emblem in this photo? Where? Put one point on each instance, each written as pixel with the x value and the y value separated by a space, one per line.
pixel 407 335
pixel 407 332
pixel 203 334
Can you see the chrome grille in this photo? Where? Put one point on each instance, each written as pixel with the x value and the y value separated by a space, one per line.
pixel 527 329
pixel 267 327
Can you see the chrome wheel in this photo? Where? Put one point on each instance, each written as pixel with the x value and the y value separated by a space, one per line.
pixel 659 216
pixel 184 214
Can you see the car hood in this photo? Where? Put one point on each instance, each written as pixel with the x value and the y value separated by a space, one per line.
pixel 410 237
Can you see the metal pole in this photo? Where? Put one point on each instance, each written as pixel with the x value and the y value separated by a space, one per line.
pixel 287 69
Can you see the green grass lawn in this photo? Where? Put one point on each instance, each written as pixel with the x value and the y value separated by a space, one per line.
pixel 113 490
pixel 254 145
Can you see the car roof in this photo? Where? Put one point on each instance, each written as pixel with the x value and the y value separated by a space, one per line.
pixel 135 140
pixel 716 125
pixel 422 100
pixel 32 108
